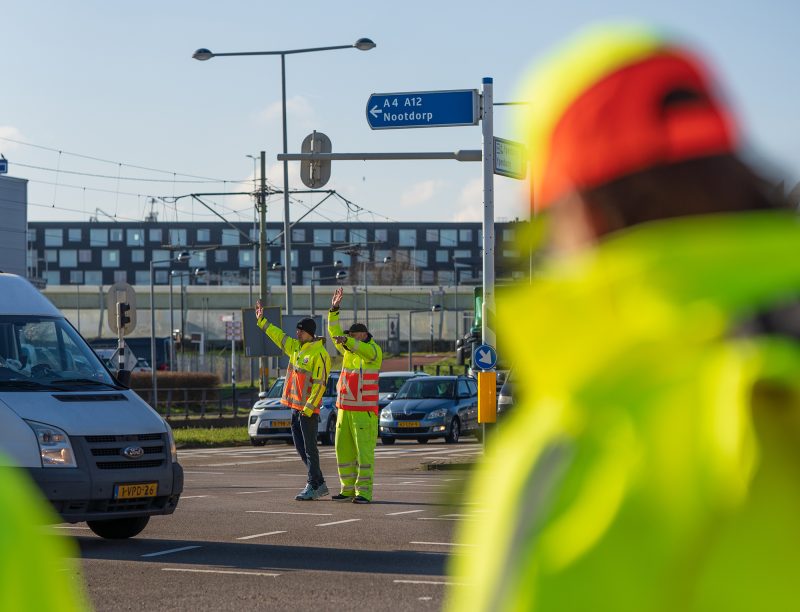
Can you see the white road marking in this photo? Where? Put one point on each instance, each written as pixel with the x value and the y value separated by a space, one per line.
pixel 337 522
pixel 442 518
pixel 442 582
pixel 424 598
pixel 219 473
pixel 69 527
pixel 204 571
pixel 260 535
pixel 194 496
pixel 443 544
pixel 252 492
pixel 404 512
pixel 276 512
pixel 170 551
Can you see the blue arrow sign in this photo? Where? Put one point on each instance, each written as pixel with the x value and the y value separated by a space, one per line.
pixel 417 109
pixel 484 357
pixel 3 166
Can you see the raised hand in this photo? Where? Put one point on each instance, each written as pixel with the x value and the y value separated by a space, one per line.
pixel 339 339
pixel 259 309
pixel 336 300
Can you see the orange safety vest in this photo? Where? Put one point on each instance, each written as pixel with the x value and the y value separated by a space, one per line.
pixel 357 388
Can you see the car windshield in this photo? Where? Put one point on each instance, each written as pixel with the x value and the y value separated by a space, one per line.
pixel 48 351
pixel 276 389
pixel 427 389
pixel 391 384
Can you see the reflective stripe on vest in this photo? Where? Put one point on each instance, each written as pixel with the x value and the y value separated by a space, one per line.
pixel 358 390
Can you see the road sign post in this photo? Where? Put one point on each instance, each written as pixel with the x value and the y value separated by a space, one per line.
pixel 416 109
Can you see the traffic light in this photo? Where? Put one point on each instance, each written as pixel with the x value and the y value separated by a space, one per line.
pixel 122 314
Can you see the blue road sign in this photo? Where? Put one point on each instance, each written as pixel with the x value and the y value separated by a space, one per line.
pixel 484 357
pixel 3 166
pixel 418 109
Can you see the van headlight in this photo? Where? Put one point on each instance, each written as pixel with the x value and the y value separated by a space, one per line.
pixel 173 450
pixel 55 449
pixel 439 413
pixel 386 414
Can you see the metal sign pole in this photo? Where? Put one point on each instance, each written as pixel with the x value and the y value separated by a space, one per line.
pixel 487 124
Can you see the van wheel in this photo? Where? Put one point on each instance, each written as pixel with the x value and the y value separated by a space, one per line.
pixel 256 442
pixel 387 441
pixel 119 529
pixel 455 432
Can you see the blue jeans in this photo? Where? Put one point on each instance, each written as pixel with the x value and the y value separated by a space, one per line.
pixel 304 434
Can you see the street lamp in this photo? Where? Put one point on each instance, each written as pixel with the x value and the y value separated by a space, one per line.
pixel 181 257
pixel 434 308
pixel 335 264
pixel 179 273
pixel 362 44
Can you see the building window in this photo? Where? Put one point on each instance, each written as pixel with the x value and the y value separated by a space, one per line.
pixel 31 235
pixel 298 235
pixel 85 256
pixel 68 258
pixel 254 235
pixel 120 276
pixel 204 235
pixel 294 258
pixel 462 254
pixel 508 235
pixel 109 258
pixel 50 255
pixel 116 235
pixel 448 237
pixel 445 277
pixel 510 253
pixel 408 238
pixel 381 235
pixel 465 235
pixel 274 277
pixel 53 237
pixel 339 235
pixel 432 236
pixel 52 277
pixel 221 256
pixel 230 237
pixel 419 258
pixel 315 256
pixel 197 259
pixel 154 235
pixel 345 259
pixel 161 277
pixel 92 277
pixel 272 237
pixel 409 277
pixel 442 256
pixel 358 236
pixel 401 256
pixel 137 255
pixel 426 277
pixel 136 237
pixel 306 280
pixel 74 234
pixel 98 237
pixel 162 256
pixel 322 237
pixel 246 258
pixel 177 237
pixel 76 277
pixel 381 254
pixel 141 277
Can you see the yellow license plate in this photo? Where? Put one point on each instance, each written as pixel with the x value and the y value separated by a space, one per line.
pixel 132 491
pixel 280 424
pixel 408 424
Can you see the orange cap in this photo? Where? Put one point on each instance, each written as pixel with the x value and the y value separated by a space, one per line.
pixel 615 102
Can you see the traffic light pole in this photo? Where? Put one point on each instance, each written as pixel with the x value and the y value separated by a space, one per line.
pixel 262 261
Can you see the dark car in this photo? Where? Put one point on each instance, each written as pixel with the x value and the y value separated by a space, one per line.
pixel 431 407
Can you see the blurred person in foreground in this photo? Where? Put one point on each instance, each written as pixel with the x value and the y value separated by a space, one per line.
pixel 655 464
pixel 38 568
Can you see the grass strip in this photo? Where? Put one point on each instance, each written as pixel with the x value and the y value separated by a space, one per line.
pixel 211 437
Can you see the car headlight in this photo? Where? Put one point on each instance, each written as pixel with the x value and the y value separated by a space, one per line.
pixel 439 413
pixel 55 449
pixel 504 400
pixel 386 414
pixel 173 450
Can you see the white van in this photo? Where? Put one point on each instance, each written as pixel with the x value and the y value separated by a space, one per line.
pixel 98 452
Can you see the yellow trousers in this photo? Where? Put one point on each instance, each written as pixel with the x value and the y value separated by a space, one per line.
pixel 356 435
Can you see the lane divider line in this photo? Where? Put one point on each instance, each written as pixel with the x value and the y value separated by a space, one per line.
pixel 205 571
pixel 252 492
pixel 260 535
pixel 443 544
pixel 438 582
pixel 404 512
pixel 277 512
pixel 170 551
pixel 194 496
pixel 337 522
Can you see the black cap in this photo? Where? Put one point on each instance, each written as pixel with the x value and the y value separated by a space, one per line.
pixel 358 327
pixel 307 325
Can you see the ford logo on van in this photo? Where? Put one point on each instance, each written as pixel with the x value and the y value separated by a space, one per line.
pixel 133 452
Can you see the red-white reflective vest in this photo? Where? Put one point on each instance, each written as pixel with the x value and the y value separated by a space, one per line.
pixel 357 388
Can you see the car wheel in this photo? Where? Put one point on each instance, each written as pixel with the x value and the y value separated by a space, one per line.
pixel 387 441
pixel 256 442
pixel 119 529
pixel 329 437
pixel 422 440
pixel 454 433
pixel 289 441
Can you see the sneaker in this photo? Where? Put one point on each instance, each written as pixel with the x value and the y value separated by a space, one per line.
pixel 306 494
pixel 360 499
pixel 341 497
pixel 322 490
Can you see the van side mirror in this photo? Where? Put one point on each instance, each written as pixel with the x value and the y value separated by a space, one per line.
pixel 124 377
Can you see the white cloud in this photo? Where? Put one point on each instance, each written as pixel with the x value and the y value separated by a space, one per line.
pixel 9 131
pixel 299 113
pixel 418 193
pixel 510 200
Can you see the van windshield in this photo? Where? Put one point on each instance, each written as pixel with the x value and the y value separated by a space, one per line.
pixel 47 352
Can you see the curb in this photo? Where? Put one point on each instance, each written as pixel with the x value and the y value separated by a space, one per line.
pixel 437 464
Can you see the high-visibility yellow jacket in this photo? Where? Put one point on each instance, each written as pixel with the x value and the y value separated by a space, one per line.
pixel 654 463
pixel 309 367
pixel 357 388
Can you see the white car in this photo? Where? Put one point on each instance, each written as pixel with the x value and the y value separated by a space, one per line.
pixel 270 420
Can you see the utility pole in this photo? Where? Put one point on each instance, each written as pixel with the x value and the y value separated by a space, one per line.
pixel 262 261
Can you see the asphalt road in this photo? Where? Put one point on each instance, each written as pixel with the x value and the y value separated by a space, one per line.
pixel 239 540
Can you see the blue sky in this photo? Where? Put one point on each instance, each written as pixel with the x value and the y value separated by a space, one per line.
pixel 115 81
